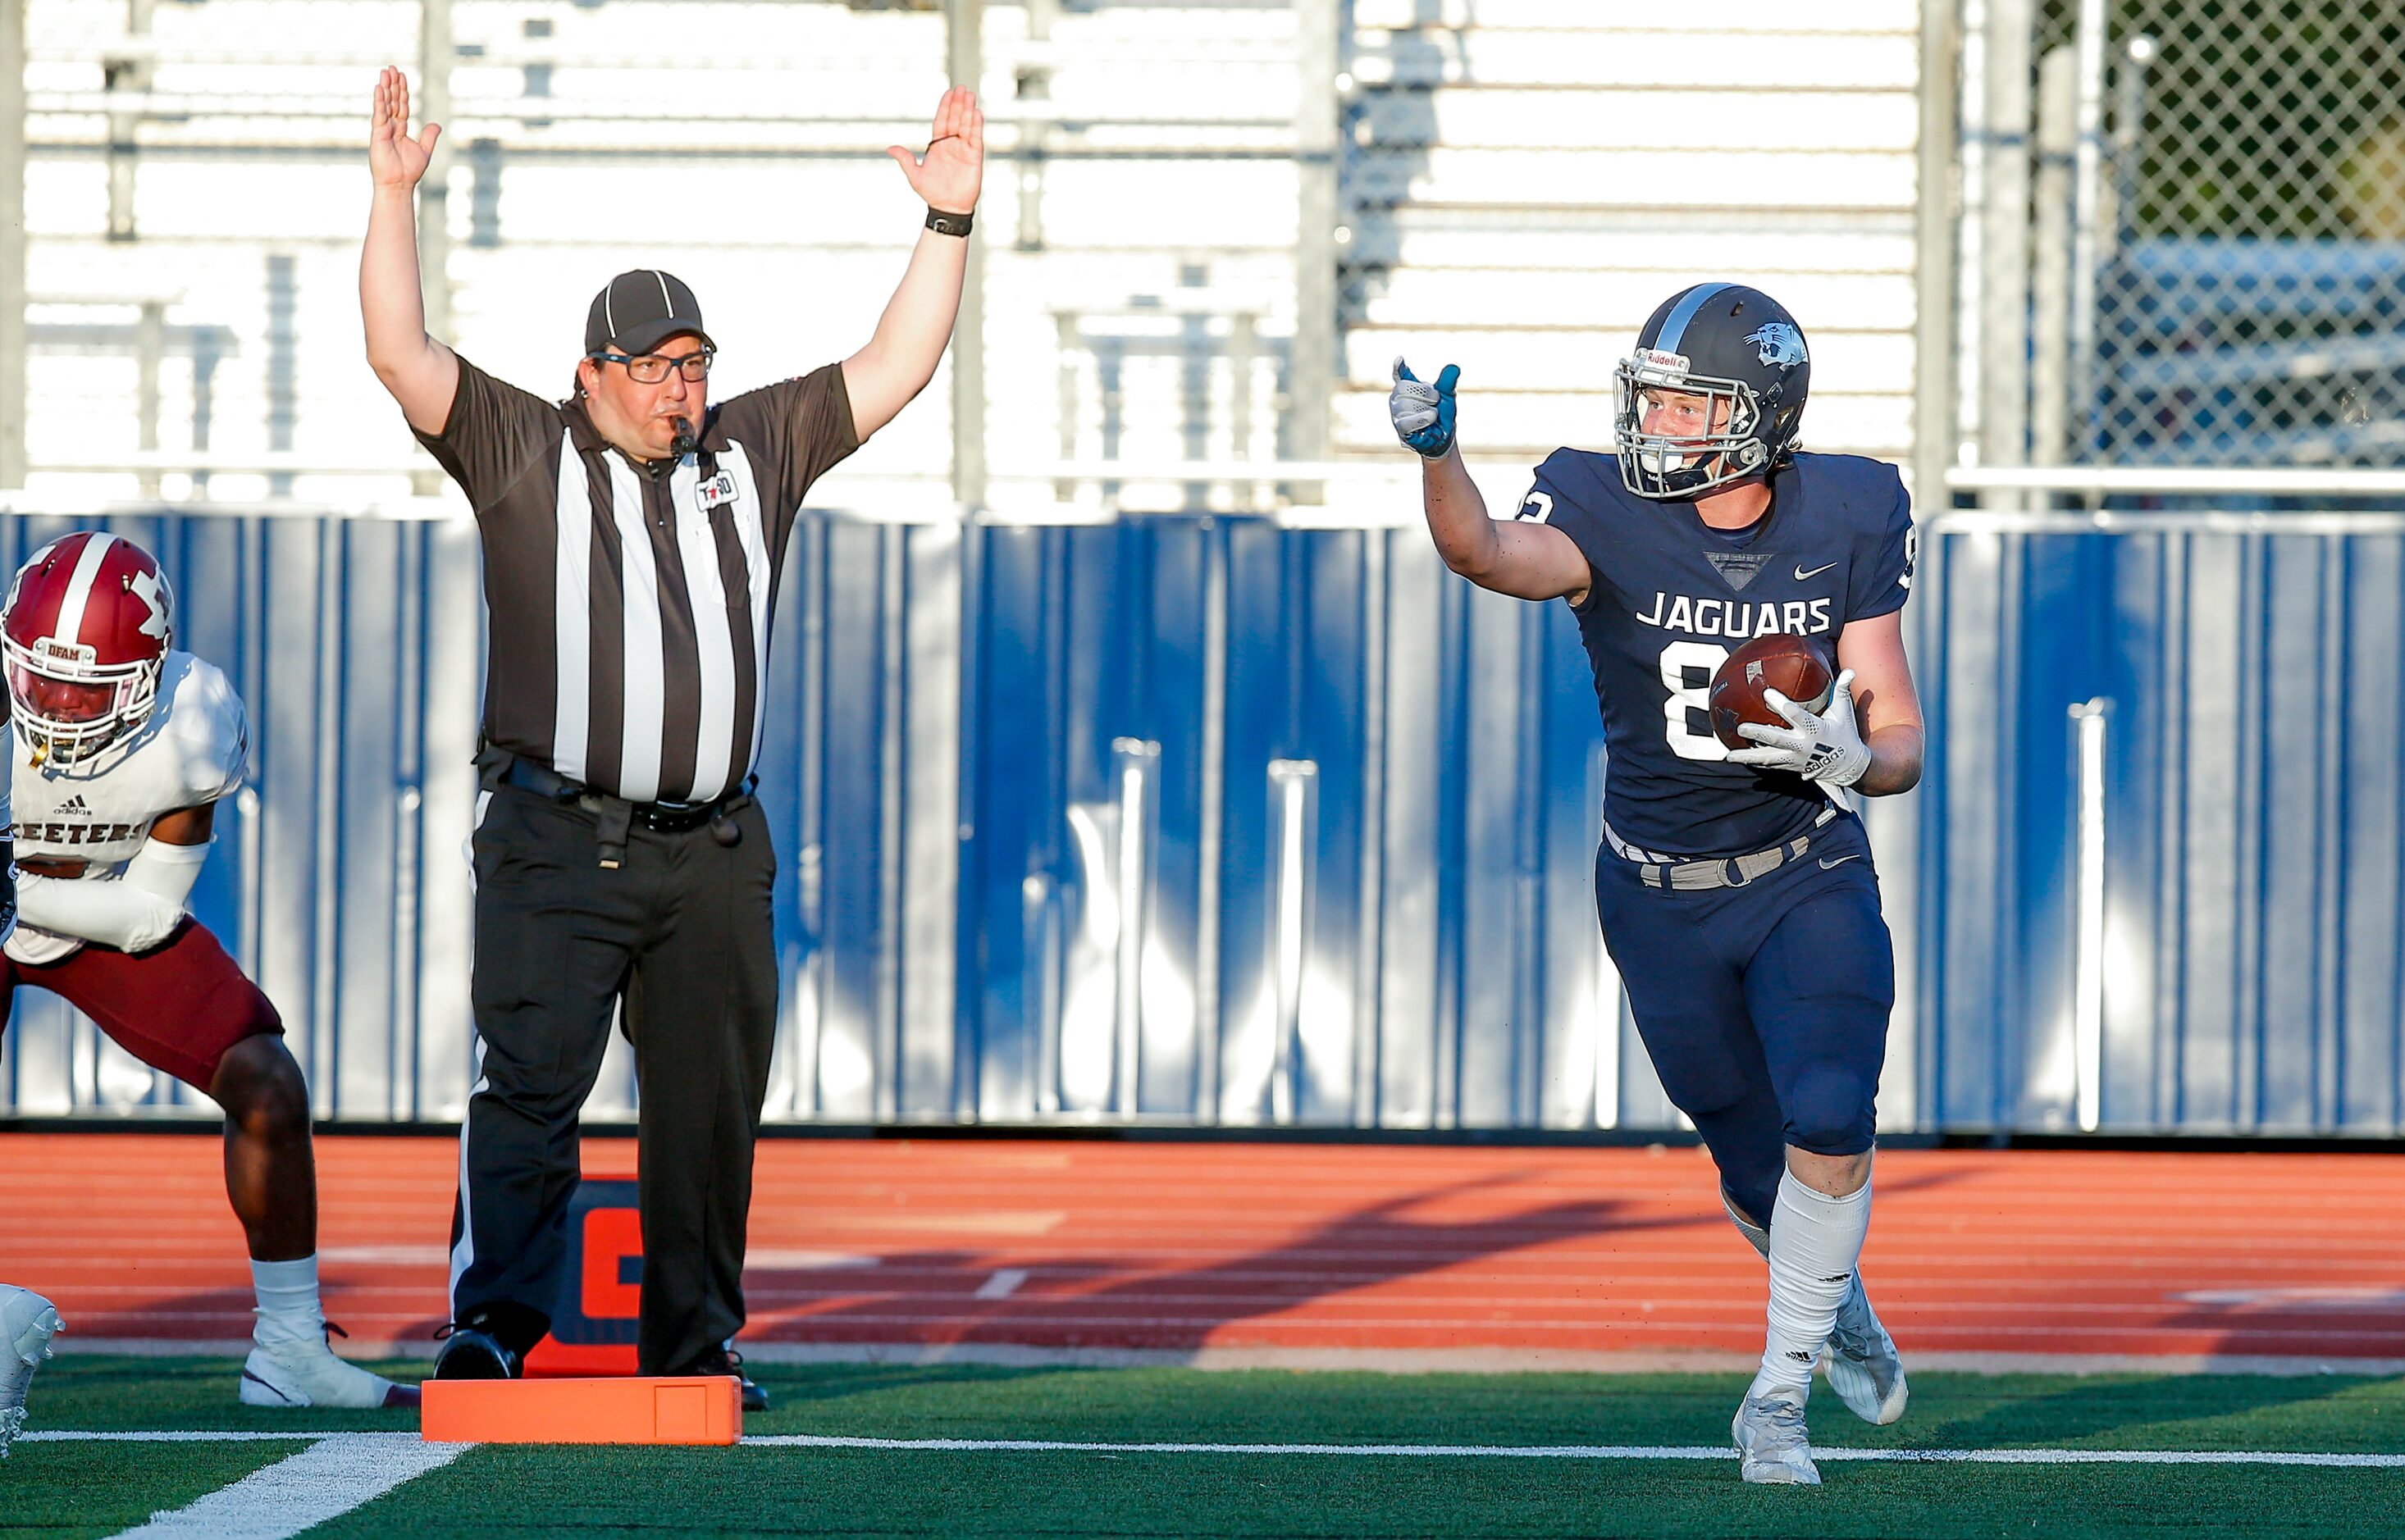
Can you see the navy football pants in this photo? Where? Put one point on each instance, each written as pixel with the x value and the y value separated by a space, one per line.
pixel 1764 1008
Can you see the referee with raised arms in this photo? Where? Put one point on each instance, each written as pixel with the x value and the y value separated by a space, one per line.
pixel 632 537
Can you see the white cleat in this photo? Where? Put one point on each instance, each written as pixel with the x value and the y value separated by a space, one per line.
pixel 1864 1368
pixel 1771 1443
pixel 27 1324
pixel 293 1375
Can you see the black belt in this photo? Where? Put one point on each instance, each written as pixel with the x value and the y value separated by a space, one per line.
pixel 617 815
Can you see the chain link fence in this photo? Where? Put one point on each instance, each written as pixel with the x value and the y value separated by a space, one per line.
pixel 2248 264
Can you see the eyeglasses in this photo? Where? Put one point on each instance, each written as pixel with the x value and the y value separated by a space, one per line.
pixel 651 368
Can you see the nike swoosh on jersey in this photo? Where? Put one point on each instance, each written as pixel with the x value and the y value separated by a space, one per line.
pixel 1802 576
pixel 1827 865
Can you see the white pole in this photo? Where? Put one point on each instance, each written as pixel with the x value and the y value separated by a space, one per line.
pixel 2004 256
pixel 2050 383
pixel 2087 719
pixel 1292 778
pixel 14 374
pixel 1136 757
pixel 2088 173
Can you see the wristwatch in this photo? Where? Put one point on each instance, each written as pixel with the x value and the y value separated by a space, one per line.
pixel 949 224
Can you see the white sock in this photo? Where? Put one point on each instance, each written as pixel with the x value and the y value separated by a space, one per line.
pixel 1815 1240
pixel 1755 1236
pixel 288 1312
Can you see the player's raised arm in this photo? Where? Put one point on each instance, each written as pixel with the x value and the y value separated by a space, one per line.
pixel 901 356
pixel 1527 561
pixel 421 373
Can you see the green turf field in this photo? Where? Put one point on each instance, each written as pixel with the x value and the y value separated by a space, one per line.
pixel 61 1489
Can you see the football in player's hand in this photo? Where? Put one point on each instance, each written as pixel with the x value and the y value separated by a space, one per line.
pixel 1796 666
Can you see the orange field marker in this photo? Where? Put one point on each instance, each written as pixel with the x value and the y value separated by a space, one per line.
pixel 672 1409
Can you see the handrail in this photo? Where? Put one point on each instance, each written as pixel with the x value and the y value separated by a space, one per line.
pixel 2178 480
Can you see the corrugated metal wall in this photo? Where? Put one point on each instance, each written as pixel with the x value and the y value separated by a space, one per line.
pixel 2246 935
pixel 1194 819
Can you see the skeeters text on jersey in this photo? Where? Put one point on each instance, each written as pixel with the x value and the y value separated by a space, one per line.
pixel 1672 598
pixel 99 810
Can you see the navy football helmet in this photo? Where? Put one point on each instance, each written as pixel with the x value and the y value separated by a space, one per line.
pixel 1739 351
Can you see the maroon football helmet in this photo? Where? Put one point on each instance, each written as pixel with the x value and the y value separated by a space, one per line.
pixel 88 623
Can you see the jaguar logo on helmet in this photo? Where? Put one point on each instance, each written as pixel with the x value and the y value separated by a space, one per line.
pixel 85 634
pixel 1781 345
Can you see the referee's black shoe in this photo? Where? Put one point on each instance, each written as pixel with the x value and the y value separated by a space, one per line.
pixel 473 1349
pixel 719 1361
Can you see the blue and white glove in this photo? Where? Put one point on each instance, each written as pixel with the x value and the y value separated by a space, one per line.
pixel 1827 748
pixel 1423 414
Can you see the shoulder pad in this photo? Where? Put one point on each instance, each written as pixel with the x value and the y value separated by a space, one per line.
pixel 1574 481
pixel 206 726
pixel 1866 489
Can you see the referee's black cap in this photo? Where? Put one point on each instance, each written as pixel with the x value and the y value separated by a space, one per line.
pixel 640 310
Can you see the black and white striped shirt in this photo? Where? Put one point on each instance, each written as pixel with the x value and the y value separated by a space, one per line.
pixel 628 612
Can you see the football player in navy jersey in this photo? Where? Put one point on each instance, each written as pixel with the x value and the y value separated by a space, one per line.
pixel 1736 889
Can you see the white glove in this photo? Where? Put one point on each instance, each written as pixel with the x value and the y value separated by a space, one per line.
pixel 1423 414
pixel 1827 748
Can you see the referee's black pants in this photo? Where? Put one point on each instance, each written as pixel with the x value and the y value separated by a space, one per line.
pixel 681 930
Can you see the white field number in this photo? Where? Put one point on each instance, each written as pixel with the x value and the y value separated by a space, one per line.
pixel 1677 658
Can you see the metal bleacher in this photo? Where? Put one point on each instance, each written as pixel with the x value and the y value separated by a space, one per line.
pixel 1529 178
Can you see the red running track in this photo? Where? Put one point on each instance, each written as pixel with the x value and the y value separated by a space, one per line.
pixel 1259 1250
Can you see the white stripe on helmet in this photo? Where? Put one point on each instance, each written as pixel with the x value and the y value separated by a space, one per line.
pixel 87 571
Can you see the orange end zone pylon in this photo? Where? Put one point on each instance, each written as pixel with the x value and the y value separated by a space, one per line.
pixel 674 1409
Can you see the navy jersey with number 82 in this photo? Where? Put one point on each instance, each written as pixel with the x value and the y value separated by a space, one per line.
pixel 1672 599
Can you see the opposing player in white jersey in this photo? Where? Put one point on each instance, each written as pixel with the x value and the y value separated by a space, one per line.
pixel 120 749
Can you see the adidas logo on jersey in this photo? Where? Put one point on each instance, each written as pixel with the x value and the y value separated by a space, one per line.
pixel 74 805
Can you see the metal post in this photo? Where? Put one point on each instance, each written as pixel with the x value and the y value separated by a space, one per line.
pixel 435 53
pixel 964 63
pixel 2004 282
pixel 1895 822
pixel 149 349
pixel 1137 761
pixel 1034 83
pixel 129 73
pixel 1212 841
pixel 282 362
pixel 1967 77
pixel 2088 724
pixel 2050 365
pixel 1313 374
pixel 1291 785
pixel 2088 173
pixel 13 374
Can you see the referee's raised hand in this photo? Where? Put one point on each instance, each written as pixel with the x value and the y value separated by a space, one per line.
pixel 394 159
pixel 947 175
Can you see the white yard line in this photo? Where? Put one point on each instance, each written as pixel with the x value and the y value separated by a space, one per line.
pixel 1592 1451
pixel 71 1435
pixel 337 1473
